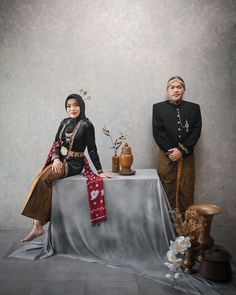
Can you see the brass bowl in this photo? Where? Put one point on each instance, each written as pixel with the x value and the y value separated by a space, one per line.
pixel 206 209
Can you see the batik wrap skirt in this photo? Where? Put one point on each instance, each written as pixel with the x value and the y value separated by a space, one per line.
pixel 39 198
pixel 167 171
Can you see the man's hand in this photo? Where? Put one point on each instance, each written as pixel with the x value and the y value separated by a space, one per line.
pixel 174 154
pixel 57 166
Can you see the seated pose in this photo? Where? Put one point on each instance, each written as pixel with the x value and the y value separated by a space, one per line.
pixel 66 158
pixel 176 129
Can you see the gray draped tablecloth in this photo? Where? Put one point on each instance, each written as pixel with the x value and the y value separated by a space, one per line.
pixel 138 227
pixel 136 235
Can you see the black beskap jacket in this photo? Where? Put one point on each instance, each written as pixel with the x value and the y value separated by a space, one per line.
pixel 168 123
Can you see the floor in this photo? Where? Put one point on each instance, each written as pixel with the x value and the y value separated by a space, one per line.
pixel 57 275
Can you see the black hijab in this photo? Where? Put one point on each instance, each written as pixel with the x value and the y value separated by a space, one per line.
pixel 81 104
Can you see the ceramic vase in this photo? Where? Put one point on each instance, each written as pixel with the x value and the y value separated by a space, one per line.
pixel 189 260
pixel 126 159
pixel 115 164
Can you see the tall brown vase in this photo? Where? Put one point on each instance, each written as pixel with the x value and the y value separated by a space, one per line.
pixel 205 240
pixel 189 260
pixel 115 164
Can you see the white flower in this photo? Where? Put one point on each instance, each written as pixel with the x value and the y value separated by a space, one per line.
pixel 177 275
pixel 178 262
pixel 173 260
pixel 171 266
pixel 174 247
pixel 180 245
pixel 184 243
pixel 170 256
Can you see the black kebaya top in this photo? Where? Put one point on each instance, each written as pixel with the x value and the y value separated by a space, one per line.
pixel 84 137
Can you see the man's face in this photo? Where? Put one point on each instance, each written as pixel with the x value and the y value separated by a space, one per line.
pixel 175 92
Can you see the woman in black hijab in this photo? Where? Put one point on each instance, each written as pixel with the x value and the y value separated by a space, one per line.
pixel 66 158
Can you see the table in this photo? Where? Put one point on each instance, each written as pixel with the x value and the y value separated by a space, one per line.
pixel 138 229
pixel 135 237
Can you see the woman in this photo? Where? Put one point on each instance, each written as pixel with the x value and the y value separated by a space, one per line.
pixel 66 159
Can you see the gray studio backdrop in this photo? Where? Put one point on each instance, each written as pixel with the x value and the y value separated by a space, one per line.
pixel 122 52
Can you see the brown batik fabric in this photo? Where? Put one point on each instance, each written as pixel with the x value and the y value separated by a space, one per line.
pixel 39 198
pixel 167 171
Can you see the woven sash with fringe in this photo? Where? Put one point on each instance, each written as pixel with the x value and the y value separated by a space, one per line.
pixel 94 188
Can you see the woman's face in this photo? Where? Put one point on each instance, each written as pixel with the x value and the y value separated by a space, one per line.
pixel 72 108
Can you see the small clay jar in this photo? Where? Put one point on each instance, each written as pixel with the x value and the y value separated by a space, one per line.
pixel 216 265
pixel 126 159
pixel 115 164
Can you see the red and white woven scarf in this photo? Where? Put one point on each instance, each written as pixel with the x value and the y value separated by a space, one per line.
pixel 95 195
pixel 94 188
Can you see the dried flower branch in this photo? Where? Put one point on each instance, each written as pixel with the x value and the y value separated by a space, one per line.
pixel 118 141
pixel 191 224
pixel 84 94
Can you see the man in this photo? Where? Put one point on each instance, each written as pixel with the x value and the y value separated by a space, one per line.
pixel 176 129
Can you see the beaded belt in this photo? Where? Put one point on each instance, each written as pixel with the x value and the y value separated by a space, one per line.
pixel 75 154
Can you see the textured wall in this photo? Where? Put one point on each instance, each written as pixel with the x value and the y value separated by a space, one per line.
pixel 122 52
